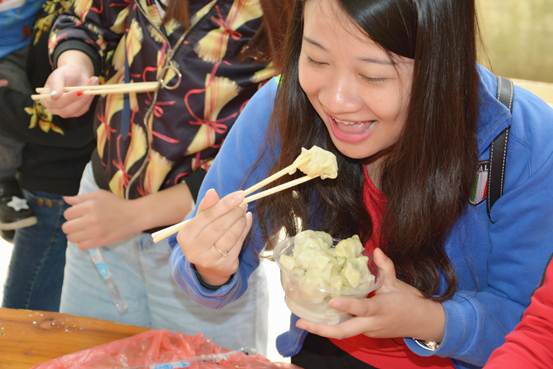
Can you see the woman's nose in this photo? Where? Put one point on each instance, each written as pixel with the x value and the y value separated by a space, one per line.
pixel 340 95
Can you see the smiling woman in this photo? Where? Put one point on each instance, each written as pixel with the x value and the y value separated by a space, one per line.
pixel 353 85
pixel 392 88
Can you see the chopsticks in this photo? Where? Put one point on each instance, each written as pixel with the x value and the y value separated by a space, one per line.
pixel 169 231
pixel 288 170
pixel 306 157
pixel 116 88
pixel 278 188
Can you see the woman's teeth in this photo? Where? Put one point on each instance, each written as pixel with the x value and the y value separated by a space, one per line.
pixel 350 123
pixel 352 131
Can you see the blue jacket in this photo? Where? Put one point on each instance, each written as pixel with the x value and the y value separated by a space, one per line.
pixel 498 260
pixel 16 24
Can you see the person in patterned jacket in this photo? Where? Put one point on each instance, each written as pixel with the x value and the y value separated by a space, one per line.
pixel 154 148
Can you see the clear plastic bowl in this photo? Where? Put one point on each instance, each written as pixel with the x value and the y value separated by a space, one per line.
pixel 311 302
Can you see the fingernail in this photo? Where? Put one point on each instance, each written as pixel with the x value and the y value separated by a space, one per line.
pixel 54 93
pixel 237 198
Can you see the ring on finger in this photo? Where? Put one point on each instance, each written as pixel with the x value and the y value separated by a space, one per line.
pixel 220 252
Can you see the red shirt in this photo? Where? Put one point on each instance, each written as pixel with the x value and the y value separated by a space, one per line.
pixel 384 352
pixel 530 345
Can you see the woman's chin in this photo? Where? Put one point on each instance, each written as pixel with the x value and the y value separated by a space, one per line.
pixel 357 151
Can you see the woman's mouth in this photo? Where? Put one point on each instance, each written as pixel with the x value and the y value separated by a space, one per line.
pixel 351 131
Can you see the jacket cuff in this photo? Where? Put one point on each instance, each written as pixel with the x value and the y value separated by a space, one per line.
pixel 461 321
pixel 206 285
pixel 194 280
pixel 186 277
pixel 81 46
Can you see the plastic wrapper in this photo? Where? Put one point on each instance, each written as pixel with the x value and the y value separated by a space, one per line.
pixel 162 349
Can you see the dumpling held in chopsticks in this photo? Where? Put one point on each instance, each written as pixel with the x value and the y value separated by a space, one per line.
pixel 317 162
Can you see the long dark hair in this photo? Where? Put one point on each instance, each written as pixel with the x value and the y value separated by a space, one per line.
pixel 267 44
pixel 179 11
pixel 428 173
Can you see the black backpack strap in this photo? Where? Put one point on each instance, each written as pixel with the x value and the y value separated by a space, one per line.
pixel 498 149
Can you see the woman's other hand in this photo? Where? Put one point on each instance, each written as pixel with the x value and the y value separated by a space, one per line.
pixel 74 69
pixel 212 240
pixel 396 310
pixel 99 219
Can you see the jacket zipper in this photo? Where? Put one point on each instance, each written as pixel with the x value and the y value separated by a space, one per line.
pixel 171 51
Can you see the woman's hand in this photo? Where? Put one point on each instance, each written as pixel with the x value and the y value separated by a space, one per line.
pixel 99 219
pixel 212 240
pixel 396 310
pixel 74 69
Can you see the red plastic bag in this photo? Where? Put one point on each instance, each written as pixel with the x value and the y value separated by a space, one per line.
pixel 161 349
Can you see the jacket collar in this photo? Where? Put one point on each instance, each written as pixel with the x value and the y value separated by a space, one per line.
pixel 151 11
pixel 493 116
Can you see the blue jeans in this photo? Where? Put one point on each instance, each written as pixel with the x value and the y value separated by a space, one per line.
pixel 35 274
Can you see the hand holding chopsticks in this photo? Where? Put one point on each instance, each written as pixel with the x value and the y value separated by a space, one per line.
pixel 315 163
pixel 169 231
pixel 119 88
pixel 70 88
pixel 74 69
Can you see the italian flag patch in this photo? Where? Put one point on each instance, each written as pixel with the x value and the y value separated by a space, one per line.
pixel 480 187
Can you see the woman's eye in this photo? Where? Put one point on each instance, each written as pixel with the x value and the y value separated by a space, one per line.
pixel 315 62
pixel 372 79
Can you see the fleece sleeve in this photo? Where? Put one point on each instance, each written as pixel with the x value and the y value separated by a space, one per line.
pixel 243 160
pixel 93 27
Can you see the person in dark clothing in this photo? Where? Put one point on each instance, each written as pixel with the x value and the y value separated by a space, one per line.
pixel 55 153
pixel 16 19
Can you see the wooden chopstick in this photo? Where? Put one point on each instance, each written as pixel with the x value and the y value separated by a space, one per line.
pixel 278 188
pixel 98 87
pixel 169 231
pixel 40 96
pixel 290 169
pixel 270 179
pixel 119 88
